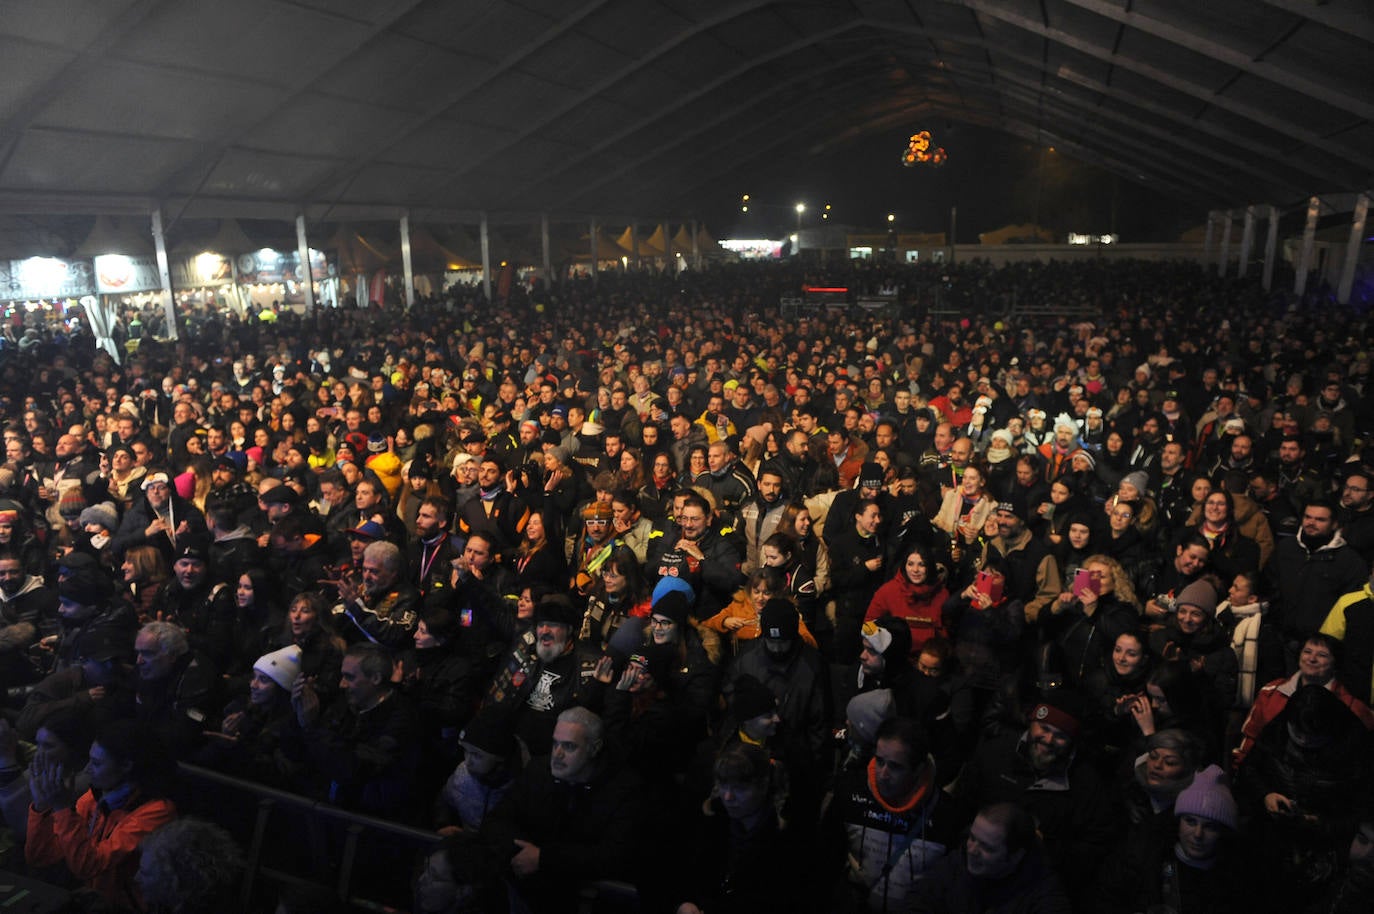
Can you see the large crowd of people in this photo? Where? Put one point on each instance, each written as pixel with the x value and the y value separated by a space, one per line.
pixel 635 588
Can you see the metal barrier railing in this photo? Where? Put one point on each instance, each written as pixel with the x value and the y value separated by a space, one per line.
pixel 354 826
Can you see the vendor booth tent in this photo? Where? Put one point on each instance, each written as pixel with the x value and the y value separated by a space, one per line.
pixel 427 255
pixel 131 237
pixel 578 249
pixel 1025 233
pixel 650 245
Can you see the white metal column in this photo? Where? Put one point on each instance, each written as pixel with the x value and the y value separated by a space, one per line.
pixel 1309 236
pixel 696 248
pixel 548 256
pixel 303 251
pixel 486 258
pixel 406 267
pixel 1352 249
pixel 1225 243
pixel 1247 241
pixel 168 305
pixel 1271 244
pixel 1209 238
pixel 634 243
pixel 596 248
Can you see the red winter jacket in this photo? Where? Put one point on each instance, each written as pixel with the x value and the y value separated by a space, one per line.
pixel 918 605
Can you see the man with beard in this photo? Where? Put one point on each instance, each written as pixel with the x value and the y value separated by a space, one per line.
pixel 378 605
pixel 794 464
pixel 760 515
pixel 495 511
pixel 203 607
pixel 691 550
pixel 1041 770
pixel 1357 511
pixel 1296 482
pixel 952 407
pixel 1032 573
pixel 483 594
pixel 1312 571
pixel 161 519
pixel 544 675
pixel 26 603
pixel 430 552
pixel 229 490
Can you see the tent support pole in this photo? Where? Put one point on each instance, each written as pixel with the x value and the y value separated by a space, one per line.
pixel 1247 242
pixel 1352 249
pixel 486 258
pixel 548 254
pixel 406 263
pixel 1309 237
pixel 1271 243
pixel 307 274
pixel 160 243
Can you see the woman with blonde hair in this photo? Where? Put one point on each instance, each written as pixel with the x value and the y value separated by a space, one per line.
pixel 1085 621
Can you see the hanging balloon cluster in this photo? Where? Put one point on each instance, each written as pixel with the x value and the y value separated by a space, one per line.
pixel 921 151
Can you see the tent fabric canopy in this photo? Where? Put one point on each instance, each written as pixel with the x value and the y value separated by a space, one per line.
pixel 352 111
pixel 1023 233
pixel 650 245
pixel 102 314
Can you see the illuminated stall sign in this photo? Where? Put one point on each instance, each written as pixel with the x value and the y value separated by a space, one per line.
pixel 202 270
pixel 116 274
pixel 754 249
pixel 267 266
pixel 44 277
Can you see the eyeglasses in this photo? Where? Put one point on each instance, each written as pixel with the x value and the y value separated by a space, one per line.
pixel 658 622
pixel 1349 488
pixel 1123 515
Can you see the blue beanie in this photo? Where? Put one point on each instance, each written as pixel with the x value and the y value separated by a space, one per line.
pixel 668 584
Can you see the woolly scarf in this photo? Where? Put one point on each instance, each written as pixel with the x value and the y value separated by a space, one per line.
pixel 924 782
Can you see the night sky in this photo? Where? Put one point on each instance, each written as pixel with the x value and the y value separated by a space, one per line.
pixel 993 178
